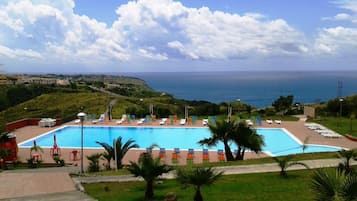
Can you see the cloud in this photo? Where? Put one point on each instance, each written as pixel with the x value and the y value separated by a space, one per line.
pixel 149 31
pixel 337 40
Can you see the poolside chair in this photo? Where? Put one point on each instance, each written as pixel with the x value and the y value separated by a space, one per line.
pixel 141 121
pixel 74 155
pixel 101 119
pixel 175 155
pixel 149 151
pixel 205 155
pixel 269 121
pixel 190 155
pixel 278 121
pixel 182 121
pixel 162 154
pixel 204 122
pixel 220 155
pixel 123 118
pixel 77 121
pixel 163 121
pixel 249 122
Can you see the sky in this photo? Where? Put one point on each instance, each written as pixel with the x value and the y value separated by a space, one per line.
pixel 113 36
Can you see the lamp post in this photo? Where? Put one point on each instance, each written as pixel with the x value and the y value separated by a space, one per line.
pixel 81 116
pixel 341 100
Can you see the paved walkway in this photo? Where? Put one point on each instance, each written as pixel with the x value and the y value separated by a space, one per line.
pixel 55 184
pixel 228 170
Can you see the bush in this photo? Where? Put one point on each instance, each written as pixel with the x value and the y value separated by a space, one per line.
pixel 60 162
pixel 34 163
pixel 94 162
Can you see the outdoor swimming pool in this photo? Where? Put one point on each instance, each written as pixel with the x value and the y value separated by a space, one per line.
pixel 277 141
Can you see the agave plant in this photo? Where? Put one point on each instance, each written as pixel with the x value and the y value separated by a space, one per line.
pixel 332 185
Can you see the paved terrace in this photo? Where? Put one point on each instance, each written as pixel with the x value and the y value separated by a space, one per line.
pixel 296 128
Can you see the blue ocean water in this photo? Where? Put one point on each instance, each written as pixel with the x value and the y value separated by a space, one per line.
pixel 258 89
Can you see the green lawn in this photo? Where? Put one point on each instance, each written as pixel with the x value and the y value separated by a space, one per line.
pixel 264 187
pixel 340 125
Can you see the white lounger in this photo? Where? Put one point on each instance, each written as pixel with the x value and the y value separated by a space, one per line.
pixel 278 121
pixel 163 121
pixel 204 122
pixel 182 121
pixel 269 121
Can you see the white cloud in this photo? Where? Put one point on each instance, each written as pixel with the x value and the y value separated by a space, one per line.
pixel 158 30
pixel 338 40
pixel 179 31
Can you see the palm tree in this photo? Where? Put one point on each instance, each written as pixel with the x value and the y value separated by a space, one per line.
pixel 221 131
pixel 121 150
pixel 246 138
pixel 347 155
pixel 285 162
pixel 332 185
pixel 94 162
pixel 109 154
pixel 149 169
pixel 198 177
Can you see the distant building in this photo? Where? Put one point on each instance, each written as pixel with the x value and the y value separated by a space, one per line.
pixel 310 111
pixel 41 80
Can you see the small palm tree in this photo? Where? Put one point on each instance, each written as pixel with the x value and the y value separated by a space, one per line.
pixel 332 185
pixel 198 177
pixel 94 162
pixel 221 131
pixel 149 169
pixel 285 162
pixel 347 155
pixel 119 153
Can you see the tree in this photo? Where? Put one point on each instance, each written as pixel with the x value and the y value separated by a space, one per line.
pixel 283 103
pixel 347 155
pixel 285 162
pixel 94 162
pixel 121 150
pixel 198 177
pixel 149 169
pixel 332 185
pixel 246 138
pixel 221 131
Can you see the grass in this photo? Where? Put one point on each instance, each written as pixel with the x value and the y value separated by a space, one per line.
pixel 340 125
pixel 298 157
pixel 263 186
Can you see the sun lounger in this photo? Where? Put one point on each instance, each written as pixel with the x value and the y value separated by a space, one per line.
pixel 277 121
pixel 220 155
pixel 77 121
pixel 163 121
pixel 204 122
pixel 205 155
pixel 47 122
pixel 190 155
pixel 249 122
pixel 123 118
pixel 269 121
pixel 162 154
pixel 175 155
pixel 101 119
pixel 141 121
pixel 182 121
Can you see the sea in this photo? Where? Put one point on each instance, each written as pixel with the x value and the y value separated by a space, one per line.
pixel 258 89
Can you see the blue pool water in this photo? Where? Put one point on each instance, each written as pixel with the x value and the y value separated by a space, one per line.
pixel 277 141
